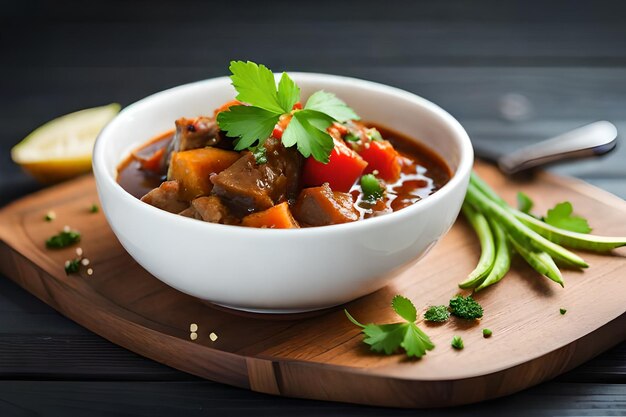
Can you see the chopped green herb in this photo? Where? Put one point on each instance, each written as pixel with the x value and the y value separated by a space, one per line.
pixel 372 190
pixel 252 124
pixel 63 239
pixel 374 134
pixel 524 203
pixel 71 267
pixel 351 137
pixel 487 333
pixel 260 154
pixel 561 216
pixel 388 338
pixel 457 342
pixel 94 208
pixel 465 307
pixel 562 311
pixel 51 215
pixel 437 314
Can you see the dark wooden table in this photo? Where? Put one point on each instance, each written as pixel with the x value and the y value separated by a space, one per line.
pixel 511 72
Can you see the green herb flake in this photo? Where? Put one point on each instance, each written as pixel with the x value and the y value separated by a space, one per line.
pixel 71 267
pixel 63 239
pixel 94 208
pixel 561 216
pixel 437 314
pixel 465 307
pixel 524 203
pixel 388 338
pixel 562 311
pixel 51 215
pixel 260 154
pixel 351 137
pixel 371 188
pixel 253 124
pixel 457 342
pixel 487 333
pixel 374 134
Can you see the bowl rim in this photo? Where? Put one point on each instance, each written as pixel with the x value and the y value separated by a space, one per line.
pixel 101 172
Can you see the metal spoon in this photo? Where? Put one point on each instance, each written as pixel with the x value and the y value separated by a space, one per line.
pixel 594 139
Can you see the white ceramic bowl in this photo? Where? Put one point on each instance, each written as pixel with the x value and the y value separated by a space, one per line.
pixel 281 270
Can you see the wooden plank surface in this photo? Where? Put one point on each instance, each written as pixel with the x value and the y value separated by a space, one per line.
pixel 567 59
pixel 321 356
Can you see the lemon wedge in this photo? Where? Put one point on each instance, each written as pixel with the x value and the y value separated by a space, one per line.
pixel 61 148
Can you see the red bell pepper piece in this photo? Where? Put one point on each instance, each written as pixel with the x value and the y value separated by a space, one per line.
pixel 342 170
pixel 381 157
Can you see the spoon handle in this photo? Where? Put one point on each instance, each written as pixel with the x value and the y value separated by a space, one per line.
pixel 590 140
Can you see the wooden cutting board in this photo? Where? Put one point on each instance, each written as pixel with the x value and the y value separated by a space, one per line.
pixel 321 355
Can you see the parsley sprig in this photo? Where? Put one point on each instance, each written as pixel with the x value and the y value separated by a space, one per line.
pixel 253 124
pixel 388 338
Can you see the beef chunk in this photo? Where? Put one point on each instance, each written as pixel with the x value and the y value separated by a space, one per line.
pixel 195 133
pixel 211 209
pixel 320 206
pixel 166 197
pixel 287 161
pixel 247 187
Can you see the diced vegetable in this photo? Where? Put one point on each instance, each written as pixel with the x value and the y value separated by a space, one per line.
pixel 154 162
pixel 277 217
pixel 382 157
pixel 372 190
pixel 192 169
pixel 320 206
pixel 341 171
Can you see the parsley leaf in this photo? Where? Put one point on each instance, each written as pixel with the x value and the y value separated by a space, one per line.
pixel 524 203
pixel 385 337
pixel 404 308
pixel 249 123
pixel 288 93
pixel 416 342
pixel 330 104
pixel 304 131
pixel 255 85
pixel 561 216
pixel 388 338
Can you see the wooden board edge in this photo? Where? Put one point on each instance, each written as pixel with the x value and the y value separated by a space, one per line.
pixel 332 383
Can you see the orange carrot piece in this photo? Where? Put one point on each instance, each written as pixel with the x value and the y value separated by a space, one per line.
pixel 277 217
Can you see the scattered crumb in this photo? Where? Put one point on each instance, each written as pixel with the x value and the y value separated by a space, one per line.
pixel 193 336
pixel 51 215
pixel 79 251
pixel 66 229
pixel 193 327
pixel 89 271
pixel 85 261
pixel 213 337
pixel 67 263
